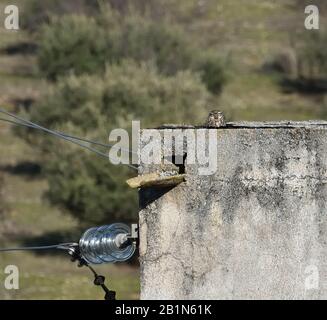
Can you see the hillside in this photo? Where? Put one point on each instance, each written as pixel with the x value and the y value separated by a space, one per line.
pixel 246 34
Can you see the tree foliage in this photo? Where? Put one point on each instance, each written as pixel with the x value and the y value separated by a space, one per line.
pixel 312 56
pixel 89 187
pixel 79 44
pixel 37 12
pixel 106 70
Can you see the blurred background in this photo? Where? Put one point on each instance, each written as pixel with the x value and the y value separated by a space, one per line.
pixel 88 66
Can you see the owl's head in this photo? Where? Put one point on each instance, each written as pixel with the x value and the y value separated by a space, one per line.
pixel 215 114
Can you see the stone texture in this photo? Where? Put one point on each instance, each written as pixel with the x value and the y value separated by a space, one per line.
pixel 256 229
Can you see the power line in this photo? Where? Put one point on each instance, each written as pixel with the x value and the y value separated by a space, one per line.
pixel 61 246
pixel 73 251
pixel 57 134
pixel 106 145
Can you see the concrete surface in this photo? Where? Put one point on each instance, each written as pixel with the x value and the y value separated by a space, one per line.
pixel 255 229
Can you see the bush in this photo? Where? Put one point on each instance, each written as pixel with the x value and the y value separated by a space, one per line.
pixel 284 63
pixel 164 45
pixel 84 45
pixel 212 72
pixel 90 106
pixel 72 44
pixel 90 189
pixel 304 68
pixel 38 12
pixel 313 56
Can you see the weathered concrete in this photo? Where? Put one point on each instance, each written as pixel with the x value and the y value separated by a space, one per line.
pixel 256 229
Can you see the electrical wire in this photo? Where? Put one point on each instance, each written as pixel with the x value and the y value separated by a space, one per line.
pixel 61 246
pixel 59 135
pixel 72 249
pixel 106 145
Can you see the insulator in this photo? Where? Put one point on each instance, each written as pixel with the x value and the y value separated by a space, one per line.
pixel 109 243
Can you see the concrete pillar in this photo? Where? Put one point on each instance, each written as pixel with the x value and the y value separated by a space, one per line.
pixel 254 229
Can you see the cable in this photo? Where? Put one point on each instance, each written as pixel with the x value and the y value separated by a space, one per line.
pixel 73 250
pixel 61 246
pixel 99 280
pixel 58 135
pixel 69 136
pixel 54 133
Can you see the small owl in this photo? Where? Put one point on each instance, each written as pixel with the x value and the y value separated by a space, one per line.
pixel 216 119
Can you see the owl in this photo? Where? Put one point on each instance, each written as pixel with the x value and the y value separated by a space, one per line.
pixel 216 119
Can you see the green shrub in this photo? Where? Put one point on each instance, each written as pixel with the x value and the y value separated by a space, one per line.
pixel 72 44
pixel 312 55
pixel 90 188
pixel 163 44
pixel 212 72
pixel 38 12
pixel 84 45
